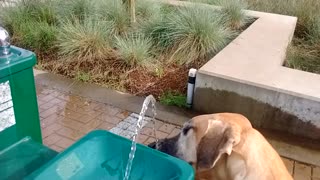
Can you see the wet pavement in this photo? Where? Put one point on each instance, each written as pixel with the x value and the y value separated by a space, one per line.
pixel 65 118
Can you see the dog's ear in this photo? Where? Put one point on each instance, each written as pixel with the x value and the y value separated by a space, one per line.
pixel 218 140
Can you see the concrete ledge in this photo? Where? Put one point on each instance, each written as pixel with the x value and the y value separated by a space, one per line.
pixel 248 77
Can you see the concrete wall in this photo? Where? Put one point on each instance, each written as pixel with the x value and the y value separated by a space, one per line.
pixel 265 108
pixel 248 77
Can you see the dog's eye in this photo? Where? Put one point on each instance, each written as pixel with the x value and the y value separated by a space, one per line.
pixel 186 129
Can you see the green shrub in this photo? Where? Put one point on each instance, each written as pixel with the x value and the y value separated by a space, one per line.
pixel 116 13
pixel 307 12
pixel 87 40
pixel 32 24
pixel 232 11
pixel 304 57
pixel 233 14
pixel 135 50
pixel 13 18
pixel 188 34
pixel 74 9
pixel 173 99
pixel 38 36
pixel 146 9
pixel 29 10
pixel 82 76
pixel 211 2
pixel 157 28
pixel 194 33
pixel 39 10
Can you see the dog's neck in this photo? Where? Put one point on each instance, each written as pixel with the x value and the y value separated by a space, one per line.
pixel 218 172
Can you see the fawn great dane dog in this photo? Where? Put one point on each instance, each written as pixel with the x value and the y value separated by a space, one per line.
pixel 225 146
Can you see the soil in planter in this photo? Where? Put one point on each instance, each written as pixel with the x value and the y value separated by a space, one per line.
pixel 112 73
pixel 142 82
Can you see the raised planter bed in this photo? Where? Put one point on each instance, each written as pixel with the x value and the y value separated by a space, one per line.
pixel 248 77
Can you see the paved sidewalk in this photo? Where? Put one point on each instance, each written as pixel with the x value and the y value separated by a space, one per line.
pixel 65 118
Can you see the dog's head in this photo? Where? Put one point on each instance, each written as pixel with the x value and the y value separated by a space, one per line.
pixel 204 139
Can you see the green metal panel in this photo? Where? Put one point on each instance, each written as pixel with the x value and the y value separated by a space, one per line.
pixel 22 158
pixel 8 136
pixel 17 69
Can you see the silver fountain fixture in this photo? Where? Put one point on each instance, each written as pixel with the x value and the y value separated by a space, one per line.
pixel 4 42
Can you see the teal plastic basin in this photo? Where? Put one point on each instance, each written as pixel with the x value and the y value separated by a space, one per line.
pixel 103 155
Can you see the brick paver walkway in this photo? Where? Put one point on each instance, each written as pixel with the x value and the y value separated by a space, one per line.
pixel 66 118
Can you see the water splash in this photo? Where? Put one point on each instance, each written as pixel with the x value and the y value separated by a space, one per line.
pixel 144 108
pixel 154 112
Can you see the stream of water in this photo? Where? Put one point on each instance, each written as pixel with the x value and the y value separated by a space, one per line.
pixel 147 101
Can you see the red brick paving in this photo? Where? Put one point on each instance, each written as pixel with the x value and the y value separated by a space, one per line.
pixel 113 119
pixel 289 164
pixel 301 171
pixel 149 140
pixel 122 114
pixel 51 140
pixel 142 138
pixel 70 133
pixel 66 118
pixel 161 135
pixel 167 128
pixel 147 131
pixel 175 132
pixel 64 142
pixel 105 125
pixel 56 148
pixel 316 173
pixel 157 125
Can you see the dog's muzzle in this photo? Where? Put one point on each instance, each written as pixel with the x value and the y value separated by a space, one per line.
pixel 168 145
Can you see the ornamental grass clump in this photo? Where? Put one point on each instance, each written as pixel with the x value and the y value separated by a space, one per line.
pixel 135 50
pixel 190 34
pixel 84 40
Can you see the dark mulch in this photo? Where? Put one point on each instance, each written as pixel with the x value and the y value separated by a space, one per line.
pixel 142 82
pixel 114 74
